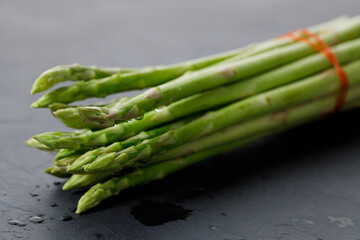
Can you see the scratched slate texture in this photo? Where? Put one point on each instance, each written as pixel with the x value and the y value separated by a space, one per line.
pixel 303 184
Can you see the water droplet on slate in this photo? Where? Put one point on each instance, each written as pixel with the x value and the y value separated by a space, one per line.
pixel 37 219
pixel 152 213
pixel 66 218
pixel 53 205
pixel 16 223
pixel 57 183
pixel 34 194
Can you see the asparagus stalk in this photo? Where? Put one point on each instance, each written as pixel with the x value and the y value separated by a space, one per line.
pixel 153 76
pixel 71 117
pixel 74 72
pixel 283 119
pixel 75 180
pixel 63 153
pixel 306 112
pixel 85 180
pixel 141 176
pixel 216 76
pixel 66 161
pixel 345 52
pixel 271 44
pixel 118 146
pixel 143 78
pixel 303 113
pixel 36 144
pixel 271 101
pixel 57 172
pixel 201 101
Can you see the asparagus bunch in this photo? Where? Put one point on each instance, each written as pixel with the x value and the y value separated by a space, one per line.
pixel 193 110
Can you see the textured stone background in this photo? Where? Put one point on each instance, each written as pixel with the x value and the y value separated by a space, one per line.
pixel 303 184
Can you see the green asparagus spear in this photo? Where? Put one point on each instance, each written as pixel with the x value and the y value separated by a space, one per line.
pixel 63 153
pixel 154 76
pixel 66 161
pixel 345 52
pixel 84 180
pixel 74 160
pixel 216 76
pixel 285 118
pixel 71 117
pixel 309 111
pixel 321 84
pixel 57 172
pixel 201 101
pixel 36 144
pixel 296 115
pixel 74 72
pixel 77 180
pixel 146 77
pixel 118 146
pixel 141 176
pixel 274 43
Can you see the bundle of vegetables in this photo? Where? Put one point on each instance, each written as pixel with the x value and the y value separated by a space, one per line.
pixel 195 109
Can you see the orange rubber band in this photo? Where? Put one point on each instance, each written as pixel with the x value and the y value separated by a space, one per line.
pixel 322 47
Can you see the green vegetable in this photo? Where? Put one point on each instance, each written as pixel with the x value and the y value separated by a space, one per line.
pixel 280 98
pixel 193 110
pixel 146 77
pixel 304 67
pixel 143 78
pixel 74 72
pixel 36 144
pixel 202 101
pixel 216 76
pixel 141 176
pixel 85 180
pixel 57 172
pixel 117 146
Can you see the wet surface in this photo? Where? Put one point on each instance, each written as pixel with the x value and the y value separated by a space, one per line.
pixel 16 223
pixel 37 219
pixel 66 218
pixel 151 213
pixel 303 184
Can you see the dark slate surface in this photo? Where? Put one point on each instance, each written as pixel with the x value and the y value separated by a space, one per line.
pixel 303 184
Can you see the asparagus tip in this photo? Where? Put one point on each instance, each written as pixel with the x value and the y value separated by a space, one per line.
pixel 67 186
pixel 91 198
pixel 78 165
pixel 34 105
pixel 96 116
